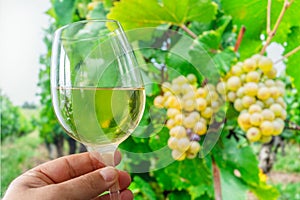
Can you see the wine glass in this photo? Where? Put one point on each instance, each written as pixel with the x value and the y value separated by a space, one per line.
pixel 97 91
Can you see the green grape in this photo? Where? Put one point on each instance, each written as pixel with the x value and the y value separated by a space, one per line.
pixel 268 115
pixel 173 143
pixel 244 121
pixel 272 73
pixel 238 105
pixel 253 76
pixel 255 108
pixel 201 104
pixel 265 64
pixel 178 132
pixel 180 80
pixel 191 155
pixel 265 139
pixel 189 122
pixel 215 105
pixel 176 89
pixel 200 128
pixel 263 93
pixel 269 82
pixel 207 112
pixel 249 65
pixel 221 87
pixel 275 92
pixel 166 86
pixel 201 93
pixel 266 128
pixel 240 92
pixel 190 95
pixel 172 112
pixel 178 155
pixel 159 102
pixel 183 144
pixel 250 89
pixel 189 105
pixel 268 102
pixel 172 102
pixel 179 118
pixel 247 101
pixel 276 109
pixel 280 100
pixel 231 96
pixel 194 147
pixel 192 79
pixel 256 119
pixel 186 88
pixel 236 70
pixel 171 123
pixel 195 115
pixel 233 83
pixel 253 134
pixel 278 127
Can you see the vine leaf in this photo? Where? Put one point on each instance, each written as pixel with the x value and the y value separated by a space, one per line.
pixel 294 60
pixel 62 11
pixel 139 13
pixel 252 14
pixel 238 168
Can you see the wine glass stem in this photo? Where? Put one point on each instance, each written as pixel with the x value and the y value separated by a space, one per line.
pixel 107 157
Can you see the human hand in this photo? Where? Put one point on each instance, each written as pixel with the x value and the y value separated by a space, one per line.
pixel 79 176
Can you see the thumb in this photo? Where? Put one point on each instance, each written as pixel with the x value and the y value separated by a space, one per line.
pixel 90 185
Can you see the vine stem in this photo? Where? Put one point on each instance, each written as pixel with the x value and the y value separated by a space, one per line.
pixel 293 126
pixel 217 181
pixel 188 31
pixel 272 33
pixel 288 54
pixel 239 39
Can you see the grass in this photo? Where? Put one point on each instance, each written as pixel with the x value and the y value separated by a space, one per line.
pixel 291 161
pixel 289 191
pixel 16 156
pixel 289 164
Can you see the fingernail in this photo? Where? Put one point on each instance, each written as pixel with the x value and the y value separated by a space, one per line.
pixel 108 173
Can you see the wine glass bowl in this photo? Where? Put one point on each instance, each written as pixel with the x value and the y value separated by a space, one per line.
pixel 97 91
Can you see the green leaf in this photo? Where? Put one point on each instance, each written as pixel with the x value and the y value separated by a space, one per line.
pixel 98 12
pixel 224 59
pixel 290 19
pixel 182 195
pixel 63 10
pixel 183 174
pixel 266 192
pixel 141 188
pixel 233 156
pixel 293 64
pixel 151 13
pixel 212 38
pixel 231 184
pixel 252 15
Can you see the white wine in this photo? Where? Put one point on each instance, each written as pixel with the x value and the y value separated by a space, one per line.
pixel 99 116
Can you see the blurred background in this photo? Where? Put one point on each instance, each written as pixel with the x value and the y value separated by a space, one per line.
pixel 30 134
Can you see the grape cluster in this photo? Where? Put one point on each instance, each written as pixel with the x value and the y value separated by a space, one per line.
pixel 255 92
pixel 189 112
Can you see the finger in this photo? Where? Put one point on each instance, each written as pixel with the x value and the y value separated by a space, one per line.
pixel 87 186
pixel 102 158
pixel 118 157
pixel 68 167
pixel 125 195
pixel 124 180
